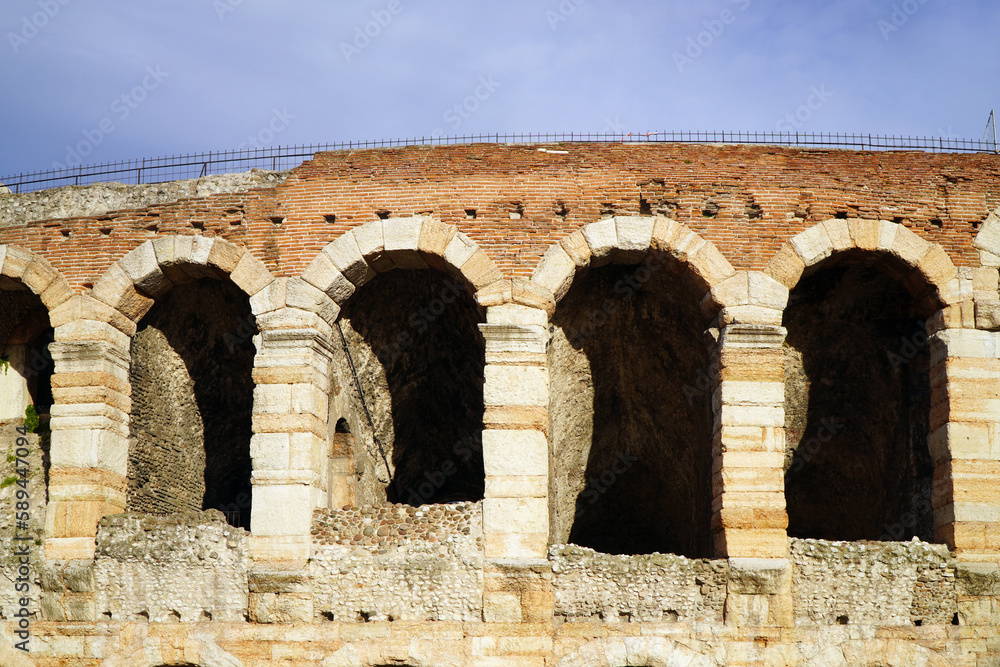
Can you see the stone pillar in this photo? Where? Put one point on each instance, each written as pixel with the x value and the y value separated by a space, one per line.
pixel 89 448
pixel 748 508
pixel 515 458
pixel 965 442
pixel 289 446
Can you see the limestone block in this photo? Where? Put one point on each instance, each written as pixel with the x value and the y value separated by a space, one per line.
pixel 813 245
pixel 402 241
pixel 280 509
pixel 300 294
pixel 988 238
pixel 529 293
pixel 515 515
pixel 577 248
pixel 434 239
pixel 339 288
pixel 15 262
pixel 520 486
pixel 56 294
pixel 786 267
pixel 766 291
pixel 989 259
pixel 269 451
pixel 752 415
pixel 459 250
pixel 555 272
pixel 864 233
pixel 759 611
pixel 270 298
pixel 370 239
pixel 968 343
pixel 602 237
pixel 112 286
pixel 307 452
pixel 908 246
pixel 978 579
pixel 839 233
pixel 886 235
pixel 634 234
pixel 988 315
pixel 735 392
pixel 273 399
pixel 251 275
pixel 518 315
pixel 734 291
pixel 347 257
pixel 518 452
pixel 936 265
pixel 39 275
pixel 143 269
pixel 760 576
pixel 224 255
pixel 711 265
pixel 985 279
pixel 500 292
pixel 480 270
pixel 90 447
pixel 516 385
pixel 85 307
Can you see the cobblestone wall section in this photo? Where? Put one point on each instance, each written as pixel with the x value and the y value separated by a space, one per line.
pixel 882 583
pixel 188 567
pixel 395 562
pixel 653 587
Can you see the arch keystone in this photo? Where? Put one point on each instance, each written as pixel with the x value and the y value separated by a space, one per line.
pixel 402 241
pixel 144 271
pixel 813 245
pixel 839 233
pixel 634 234
pixel 602 237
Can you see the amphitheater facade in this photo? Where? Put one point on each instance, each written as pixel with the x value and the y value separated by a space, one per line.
pixel 483 405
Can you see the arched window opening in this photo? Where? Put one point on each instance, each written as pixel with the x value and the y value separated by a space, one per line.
pixel 410 367
pixel 630 412
pixel 857 397
pixel 25 361
pixel 192 400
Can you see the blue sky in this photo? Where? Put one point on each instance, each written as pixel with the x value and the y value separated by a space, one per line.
pixel 119 80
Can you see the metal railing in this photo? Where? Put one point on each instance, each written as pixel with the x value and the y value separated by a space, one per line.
pixel 178 167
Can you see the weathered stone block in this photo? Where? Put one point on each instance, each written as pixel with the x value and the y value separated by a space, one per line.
pixel 517 452
pixel 602 237
pixel 555 272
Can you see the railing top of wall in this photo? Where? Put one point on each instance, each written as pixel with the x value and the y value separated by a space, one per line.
pixel 179 167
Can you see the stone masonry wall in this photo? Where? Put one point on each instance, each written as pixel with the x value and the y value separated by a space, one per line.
pixel 9 562
pixel 652 587
pixel 878 583
pixel 180 567
pixel 393 562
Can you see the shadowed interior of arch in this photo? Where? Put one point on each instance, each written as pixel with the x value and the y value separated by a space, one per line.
pixel 418 354
pixel 192 399
pixel 857 403
pixel 631 429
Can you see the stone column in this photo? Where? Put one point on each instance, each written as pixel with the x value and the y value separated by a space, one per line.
pixel 289 446
pixel 515 458
pixel 748 508
pixel 89 448
pixel 965 442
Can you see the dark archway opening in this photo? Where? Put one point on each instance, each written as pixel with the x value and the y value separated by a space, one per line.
pixel 192 401
pixel 418 355
pixel 857 397
pixel 630 412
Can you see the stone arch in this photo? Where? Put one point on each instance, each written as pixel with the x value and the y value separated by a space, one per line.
pixel 877 653
pixel 931 273
pixel 988 240
pixel 857 373
pixel 36 273
pixel 637 652
pixel 159 651
pixel 626 240
pixel 357 264
pixel 635 297
pixel 131 284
